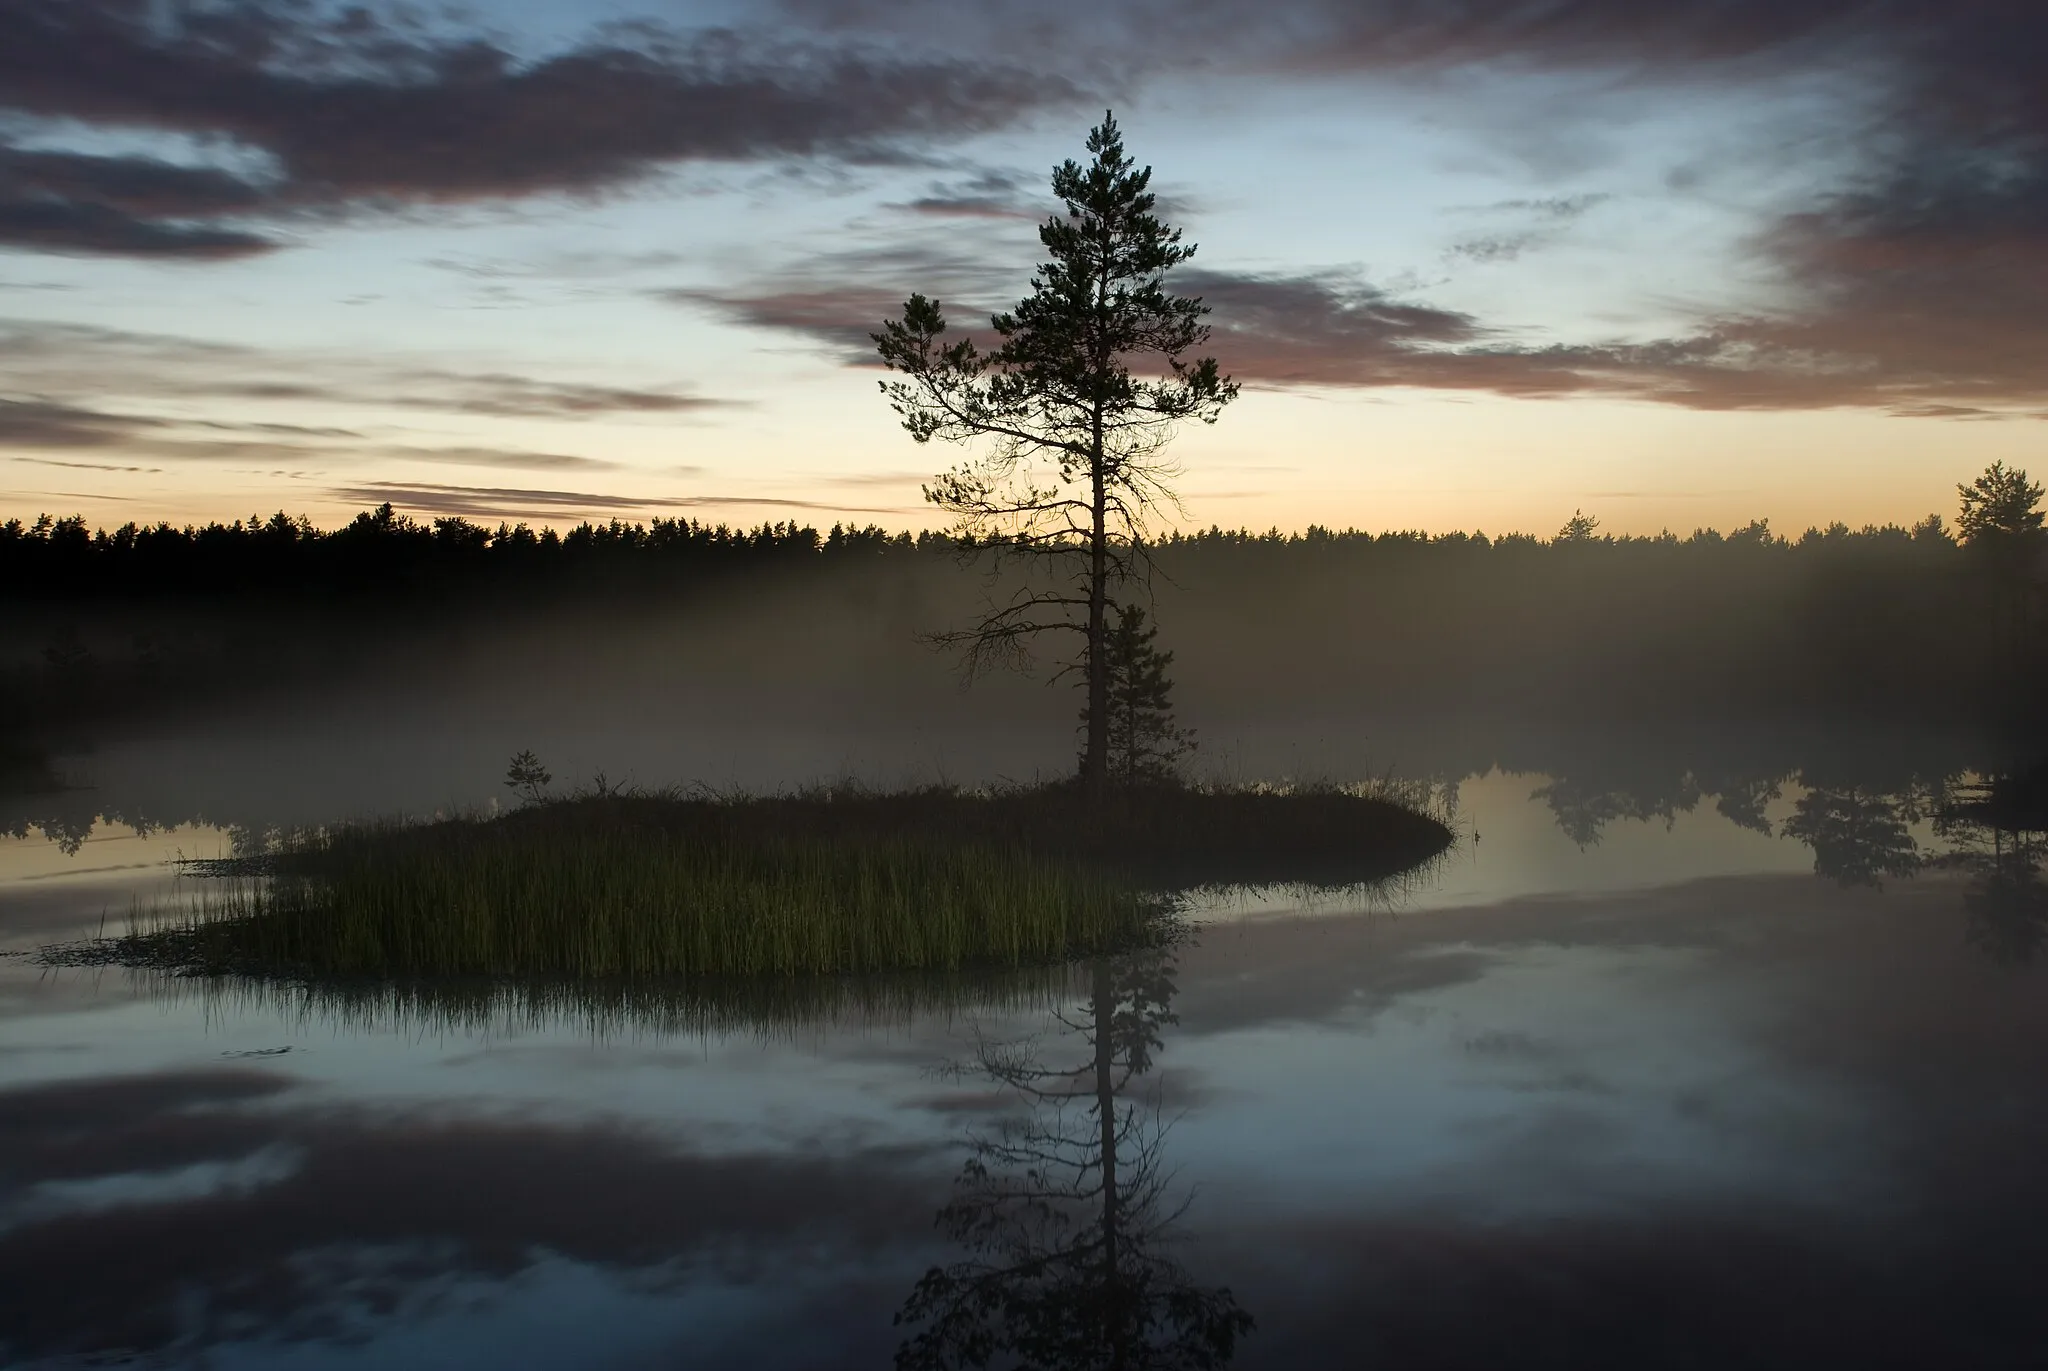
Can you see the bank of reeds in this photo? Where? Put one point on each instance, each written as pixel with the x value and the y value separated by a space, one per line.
pixel 651 885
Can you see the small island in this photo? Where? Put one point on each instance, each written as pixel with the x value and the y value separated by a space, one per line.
pixel 609 884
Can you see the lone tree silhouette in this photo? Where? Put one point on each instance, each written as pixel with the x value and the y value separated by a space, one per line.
pixel 1078 401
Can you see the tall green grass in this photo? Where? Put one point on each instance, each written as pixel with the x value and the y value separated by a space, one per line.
pixel 478 898
pixel 636 886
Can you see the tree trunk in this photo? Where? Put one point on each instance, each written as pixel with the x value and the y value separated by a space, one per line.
pixel 1095 759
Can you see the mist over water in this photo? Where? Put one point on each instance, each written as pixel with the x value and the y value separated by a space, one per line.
pixel 1874 658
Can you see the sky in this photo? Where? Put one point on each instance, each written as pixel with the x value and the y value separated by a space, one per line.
pixel 1475 265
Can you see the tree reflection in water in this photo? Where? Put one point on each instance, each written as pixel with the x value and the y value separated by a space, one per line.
pixel 2007 900
pixel 1066 1209
pixel 1858 836
pixel 2000 832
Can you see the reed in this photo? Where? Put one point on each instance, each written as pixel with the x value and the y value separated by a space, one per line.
pixel 632 886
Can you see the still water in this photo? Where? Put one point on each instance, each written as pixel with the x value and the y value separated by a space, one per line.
pixel 1624 1082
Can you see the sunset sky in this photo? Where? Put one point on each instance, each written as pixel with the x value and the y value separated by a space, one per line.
pixel 1476 264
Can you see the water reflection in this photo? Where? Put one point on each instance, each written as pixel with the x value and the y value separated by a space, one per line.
pixel 607 1010
pixel 236 1215
pixel 2007 901
pixel 1864 826
pixel 1584 806
pixel 1065 1209
pixel 1999 832
pixel 1858 836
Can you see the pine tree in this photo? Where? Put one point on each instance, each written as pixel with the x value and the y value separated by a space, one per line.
pixel 1094 371
pixel 2001 510
pixel 1144 746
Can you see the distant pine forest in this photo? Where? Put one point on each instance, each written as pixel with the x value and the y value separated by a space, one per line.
pixel 59 559
pixel 1874 627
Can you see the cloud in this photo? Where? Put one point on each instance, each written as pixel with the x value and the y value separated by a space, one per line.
pixel 495 457
pixel 42 426
pixel 839 317
pixel 1554 207
pixel 583 265
pixel 348 111
pixel 987 195
pixel 838 299
pixel 80 362
pixel 1292 37
pixel 526 397
pixel 1545 222
pixel 87 466
pixel 1915 277
pixel 46 424
pixel 1877 342
pixel 126 206
pixel 493 502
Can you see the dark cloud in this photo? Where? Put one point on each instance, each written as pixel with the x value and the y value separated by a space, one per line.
pixel 988 195
pixel 1270 330
pixel 69 227
pixel 840 298
pixel 1891 344
pixel 525 397
pixel 1314 330
pixel 349 110
pixel 126 206
pixel 1297 36
pixel 338 1210
pixel 45 424
pixel 840 317
pixel 77 360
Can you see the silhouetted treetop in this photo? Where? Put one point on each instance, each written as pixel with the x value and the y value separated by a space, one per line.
pixel 2001 506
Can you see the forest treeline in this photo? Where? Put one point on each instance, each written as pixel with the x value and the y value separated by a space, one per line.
pixel 1390 635
pixel 58 559
pixel 381 550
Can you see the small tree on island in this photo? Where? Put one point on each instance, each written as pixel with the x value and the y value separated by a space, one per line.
pixel 1145 744
pixel 527 778
pixel 1076 466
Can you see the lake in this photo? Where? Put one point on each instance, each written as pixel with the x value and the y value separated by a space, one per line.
pixel 1634 1077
